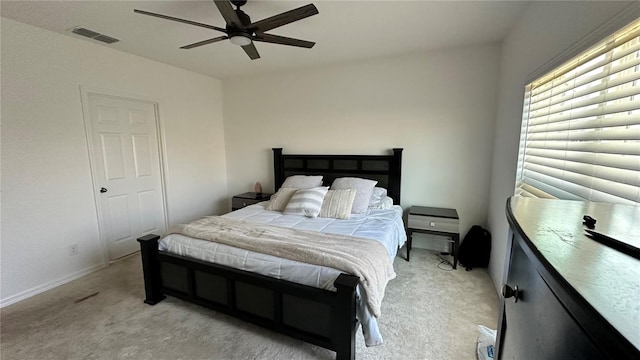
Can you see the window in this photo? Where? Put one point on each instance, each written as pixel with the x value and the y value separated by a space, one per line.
pixel 580 135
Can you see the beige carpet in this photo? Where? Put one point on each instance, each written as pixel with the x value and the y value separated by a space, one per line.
pixel 427 313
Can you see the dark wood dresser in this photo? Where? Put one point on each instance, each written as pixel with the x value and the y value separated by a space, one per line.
pixel 567 296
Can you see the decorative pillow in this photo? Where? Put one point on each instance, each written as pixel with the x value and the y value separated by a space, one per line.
pixel 363 187
pixel 377 196
pixel 307 202
pixel 302 181
pixel 337 204
pixel 280 199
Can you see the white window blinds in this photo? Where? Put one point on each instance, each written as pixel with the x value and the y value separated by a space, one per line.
pixel 580 134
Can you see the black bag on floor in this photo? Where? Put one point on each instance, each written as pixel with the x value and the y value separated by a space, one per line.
pixel 475 248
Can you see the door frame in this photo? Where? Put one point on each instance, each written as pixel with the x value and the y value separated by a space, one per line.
pixel 85 92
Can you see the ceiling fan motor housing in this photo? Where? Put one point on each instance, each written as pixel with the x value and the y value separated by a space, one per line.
pixel 244 18
pixel 238 3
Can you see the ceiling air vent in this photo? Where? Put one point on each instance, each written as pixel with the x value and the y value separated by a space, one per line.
pixel 85 32
pixel 105 39
pixel 93 35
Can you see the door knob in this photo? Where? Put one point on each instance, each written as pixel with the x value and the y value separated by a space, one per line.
pixel 103 190
pixel 508 292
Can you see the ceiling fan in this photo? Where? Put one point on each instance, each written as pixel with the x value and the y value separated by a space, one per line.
pixel 241 31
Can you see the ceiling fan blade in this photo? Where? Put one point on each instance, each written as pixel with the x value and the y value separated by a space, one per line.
pixel 229 15
pixel 284 18
pixel 180 20
pixel 282 40
pixel 204 42
pixel 251 51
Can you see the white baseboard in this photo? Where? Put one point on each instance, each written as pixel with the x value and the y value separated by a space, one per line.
pixel 50 285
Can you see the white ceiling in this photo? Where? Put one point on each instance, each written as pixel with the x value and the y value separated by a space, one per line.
pixel 343 30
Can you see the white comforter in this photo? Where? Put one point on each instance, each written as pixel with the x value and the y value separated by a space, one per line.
pixel 385 226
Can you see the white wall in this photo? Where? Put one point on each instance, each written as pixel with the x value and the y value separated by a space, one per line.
pixel 439 106
pixel 47 195
pixel 545 30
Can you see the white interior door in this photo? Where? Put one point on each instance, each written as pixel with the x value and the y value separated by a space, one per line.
pixel 127 173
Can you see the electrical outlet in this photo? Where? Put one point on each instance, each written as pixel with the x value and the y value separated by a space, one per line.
pixel 73 249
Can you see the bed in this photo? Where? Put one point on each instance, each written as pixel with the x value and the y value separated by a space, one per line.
pixel 323 317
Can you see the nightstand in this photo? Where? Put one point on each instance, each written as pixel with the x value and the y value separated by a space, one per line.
pixel 435 221
pixel 241 200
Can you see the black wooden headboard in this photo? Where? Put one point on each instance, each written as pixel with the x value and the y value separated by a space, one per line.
pixel 386 169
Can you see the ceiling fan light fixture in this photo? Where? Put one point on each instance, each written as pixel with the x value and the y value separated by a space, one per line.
pixel 240 40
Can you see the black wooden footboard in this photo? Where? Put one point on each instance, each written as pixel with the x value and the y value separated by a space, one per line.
pixel 317 316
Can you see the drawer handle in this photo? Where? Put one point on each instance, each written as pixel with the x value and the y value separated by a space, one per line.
pixel 508 292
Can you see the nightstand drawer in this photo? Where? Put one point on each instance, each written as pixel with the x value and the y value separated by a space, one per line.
pixel 238 203
pixel 241 200
pixel 433 223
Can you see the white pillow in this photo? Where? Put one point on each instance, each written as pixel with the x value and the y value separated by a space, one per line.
pixel 387 203
pixel 280 199
pixel 363 187
pixel 302 181
pixel 337 204
pixel 377 196
pixel 307 202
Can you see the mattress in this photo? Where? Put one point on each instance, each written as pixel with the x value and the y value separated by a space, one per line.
pixel 384 226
